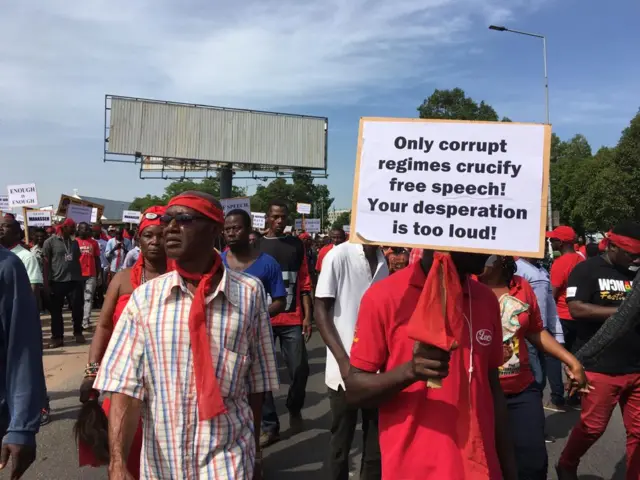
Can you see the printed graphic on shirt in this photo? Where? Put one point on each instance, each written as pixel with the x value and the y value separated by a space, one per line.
pixel 511 357
pixel 613 289
pixel 86 249
pixel 484 337
pixel 510 308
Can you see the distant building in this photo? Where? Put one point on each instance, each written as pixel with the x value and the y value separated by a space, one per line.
pixel 112 208
pixel 333 215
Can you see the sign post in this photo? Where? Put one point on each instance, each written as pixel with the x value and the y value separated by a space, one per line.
pixel 452 185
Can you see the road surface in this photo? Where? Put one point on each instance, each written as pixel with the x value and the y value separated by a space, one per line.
pixel 300 457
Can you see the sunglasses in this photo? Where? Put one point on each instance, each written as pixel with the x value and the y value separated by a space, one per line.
pixel 180 218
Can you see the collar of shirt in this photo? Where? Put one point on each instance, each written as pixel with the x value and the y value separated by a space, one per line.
pixel 226 286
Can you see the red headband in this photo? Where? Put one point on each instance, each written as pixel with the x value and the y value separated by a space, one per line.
pixel 151 217
pixel 200 205
pixel 628 244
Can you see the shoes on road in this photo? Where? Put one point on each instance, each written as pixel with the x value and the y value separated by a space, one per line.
pixel 296 423
pixel 549 438
pixel 45 415
pixel 554 407
pixel 564 474
pixel 80 340
pixel 269 438
pixel 55 343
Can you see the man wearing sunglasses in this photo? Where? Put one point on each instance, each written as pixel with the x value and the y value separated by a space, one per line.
pixel 595 290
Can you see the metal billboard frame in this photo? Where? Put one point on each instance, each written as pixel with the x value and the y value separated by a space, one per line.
pixel 190 169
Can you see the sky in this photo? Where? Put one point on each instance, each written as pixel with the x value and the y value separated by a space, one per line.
pixel 339 59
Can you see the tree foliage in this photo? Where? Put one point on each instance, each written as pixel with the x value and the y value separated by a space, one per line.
pixel 455 105
pixel 301 189
pixel 341 220
pixel 209 185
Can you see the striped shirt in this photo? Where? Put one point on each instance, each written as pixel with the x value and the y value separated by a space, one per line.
pixel 149 358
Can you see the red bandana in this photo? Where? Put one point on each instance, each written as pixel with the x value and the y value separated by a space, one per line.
pixel 210 402
pixel 628 244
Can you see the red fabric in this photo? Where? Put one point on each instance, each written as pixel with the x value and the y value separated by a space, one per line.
pixel 581 249
pixel 321 254
pixel 68 222
pixel 89 250
pixel 416 255
pixel 563 233
pixel 303 285
pixel 628 244
pixel 560 271
pixel 126 234
pixel 438 319
pixel 210 402
pixel 145 222
pixel 420 434
pixel 200 205
pixel 530 322
pixel 304 236
pixel 597 408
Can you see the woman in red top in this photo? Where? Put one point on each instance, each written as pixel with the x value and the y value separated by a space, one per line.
pixel 521 320
pixel 151 263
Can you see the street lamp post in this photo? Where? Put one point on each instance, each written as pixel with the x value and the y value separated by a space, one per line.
pixel 546 96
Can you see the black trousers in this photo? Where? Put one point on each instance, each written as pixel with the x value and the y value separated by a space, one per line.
pixel 59 290
pixel 343 428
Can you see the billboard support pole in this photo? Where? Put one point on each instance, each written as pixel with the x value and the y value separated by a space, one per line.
pixel 226 181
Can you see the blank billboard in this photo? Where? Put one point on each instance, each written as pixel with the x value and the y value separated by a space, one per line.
pixel 173 133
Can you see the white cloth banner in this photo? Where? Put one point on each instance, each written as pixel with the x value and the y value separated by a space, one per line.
pixel 79 213
pixel 130 216
pixel 238 203
pixel 24 195
pixel 449 185
pixel 258 220
pixel 38 218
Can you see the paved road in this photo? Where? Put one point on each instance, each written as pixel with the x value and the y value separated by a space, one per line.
pixel 299 457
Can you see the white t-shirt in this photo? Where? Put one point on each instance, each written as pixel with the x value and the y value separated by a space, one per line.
pixel 345 277
pixel 30 262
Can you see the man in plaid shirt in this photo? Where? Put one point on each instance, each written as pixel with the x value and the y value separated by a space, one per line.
pixel 193 353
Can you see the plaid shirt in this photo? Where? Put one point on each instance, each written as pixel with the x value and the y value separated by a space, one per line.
pixel 149 358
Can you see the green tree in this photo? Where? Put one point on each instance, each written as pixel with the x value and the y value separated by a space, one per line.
pixel 209 185
pixel 343 219
pixel 301 189
pixel 455 105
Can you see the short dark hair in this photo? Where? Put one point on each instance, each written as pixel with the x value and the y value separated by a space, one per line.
pixel 628 228
pixel 279 204
pixel 83 223
pixel 246 218
pixel 339 230
pixel 39 230
pixel 592 250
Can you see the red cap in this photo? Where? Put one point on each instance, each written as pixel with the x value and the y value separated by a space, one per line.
pixel 563 233
pixel 151 217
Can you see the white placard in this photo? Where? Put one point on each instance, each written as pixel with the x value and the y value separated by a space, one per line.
pixel 346 228
pixel 79 213
pixel 238 203
pixel 38 218
pixel 449 185
pixel 311 225
pixel 130 216
pixel 4 202
pixel 24 195
pixel 19 218
pixel 303 208
pixel 258 220
pixel 94 215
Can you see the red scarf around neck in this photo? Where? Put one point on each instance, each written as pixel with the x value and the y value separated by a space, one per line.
pixel 210 402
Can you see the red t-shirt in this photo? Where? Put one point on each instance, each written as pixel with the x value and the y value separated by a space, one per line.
pixel 321 254
pixel 515 372
pixel 418 428
pixel 89 250
pixel 560 271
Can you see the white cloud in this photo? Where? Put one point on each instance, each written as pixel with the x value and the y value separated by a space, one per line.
pixel 58 58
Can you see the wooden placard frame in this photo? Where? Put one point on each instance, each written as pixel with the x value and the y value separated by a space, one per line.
pixel 355 237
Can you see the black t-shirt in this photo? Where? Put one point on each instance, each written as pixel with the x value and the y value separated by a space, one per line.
pixel 289 253
pixel 597 282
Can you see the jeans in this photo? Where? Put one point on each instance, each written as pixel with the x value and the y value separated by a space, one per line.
pixel 526 423
pixel 294 352
pixel 343 427
pixel 570 334
pixel 537 365
pixel 89 291
pixel 597 407
pixel 59 290
pixel 556 384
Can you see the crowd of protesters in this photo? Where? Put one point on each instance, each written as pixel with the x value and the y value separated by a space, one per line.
pixel 193 305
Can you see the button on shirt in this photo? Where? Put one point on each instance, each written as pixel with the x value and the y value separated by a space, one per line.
pixel 149 358
pixel 345 276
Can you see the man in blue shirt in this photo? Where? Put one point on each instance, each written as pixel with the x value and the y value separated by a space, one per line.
pixel 241 256
pixel 21 372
